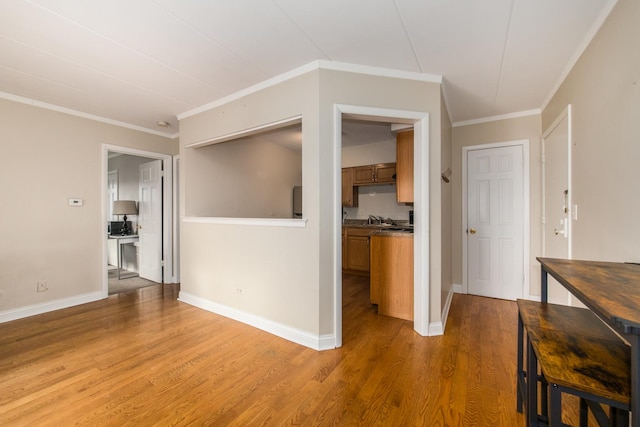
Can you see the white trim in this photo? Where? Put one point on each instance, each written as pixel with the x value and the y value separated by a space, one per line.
pixel 264 222
pixel 65 110
pixel 497 118
pixel 377 71
pixel 167 209
pixel 248 132
pixel 435 329
pixel 58 304
pixel 312 66
pixel 421 289
pixel 307 339
pixel 526 238
pixel 455 289
pixel 588 38
pixel 175 277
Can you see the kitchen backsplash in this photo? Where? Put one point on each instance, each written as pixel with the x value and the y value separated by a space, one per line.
pixel 379 200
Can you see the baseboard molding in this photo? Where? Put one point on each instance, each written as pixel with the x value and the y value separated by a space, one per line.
pixel 316 342
pixel 439 327
pixel 435 329
pixel 59 304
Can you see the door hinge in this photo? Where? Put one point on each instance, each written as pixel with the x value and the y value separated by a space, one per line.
pixel 162 263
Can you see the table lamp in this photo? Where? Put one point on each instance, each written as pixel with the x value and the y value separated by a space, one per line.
pixel 125 207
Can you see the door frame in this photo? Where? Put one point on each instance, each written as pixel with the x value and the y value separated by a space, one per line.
pixel 168 247
pixel 421 266
pixel 572 210
pixel 526 238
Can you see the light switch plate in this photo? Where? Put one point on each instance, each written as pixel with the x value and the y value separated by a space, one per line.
pixel 76 202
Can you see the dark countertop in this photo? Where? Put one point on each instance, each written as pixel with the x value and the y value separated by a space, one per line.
pixel 399 228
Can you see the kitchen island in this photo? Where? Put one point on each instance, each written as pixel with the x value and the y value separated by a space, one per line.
pixel 391 278
pixel 385 253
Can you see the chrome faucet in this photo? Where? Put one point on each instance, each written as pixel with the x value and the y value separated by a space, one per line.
pixel 373 219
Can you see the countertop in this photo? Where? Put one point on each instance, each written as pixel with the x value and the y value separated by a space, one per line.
pixel 398 229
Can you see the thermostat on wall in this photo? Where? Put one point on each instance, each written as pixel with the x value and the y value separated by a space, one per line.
pixel 75 202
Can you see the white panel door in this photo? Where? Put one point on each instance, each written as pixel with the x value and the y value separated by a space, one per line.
pixel 112 193
pixel 150 221
pixel 556 187
pixel 495 222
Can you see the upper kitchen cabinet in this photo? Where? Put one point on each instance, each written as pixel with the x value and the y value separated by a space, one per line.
pixel 404 167
pixel 349 192
pixel 382 173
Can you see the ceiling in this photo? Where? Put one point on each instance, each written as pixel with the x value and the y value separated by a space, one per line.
pixel 138 62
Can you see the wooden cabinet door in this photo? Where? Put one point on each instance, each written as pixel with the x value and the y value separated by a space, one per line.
pixel 385 173
pixel 349 192
pixel 382 173
pixel 363 175
pixel 404 167
pixel 358 253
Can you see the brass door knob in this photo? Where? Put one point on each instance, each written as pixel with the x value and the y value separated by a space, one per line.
pixel 472 230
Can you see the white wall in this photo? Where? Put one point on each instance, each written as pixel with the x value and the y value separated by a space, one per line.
pixel 276 275
pixel 47 158
pixel 248 178
pixel 604 91
pixel 491 132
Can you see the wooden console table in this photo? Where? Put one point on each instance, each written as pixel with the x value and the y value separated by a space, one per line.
pixel 612 291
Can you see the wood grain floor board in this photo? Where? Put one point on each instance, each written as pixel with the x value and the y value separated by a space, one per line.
pixel 143 358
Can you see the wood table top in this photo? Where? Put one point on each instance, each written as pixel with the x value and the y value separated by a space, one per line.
pixel 610 289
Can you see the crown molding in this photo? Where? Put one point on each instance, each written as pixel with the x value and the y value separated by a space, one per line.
pixel 497 118
pixel 65 110
pixel 312 66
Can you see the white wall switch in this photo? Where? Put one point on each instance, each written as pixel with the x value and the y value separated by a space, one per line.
pixel 76 202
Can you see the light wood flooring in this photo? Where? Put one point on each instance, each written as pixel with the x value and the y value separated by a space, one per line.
pixel 143 358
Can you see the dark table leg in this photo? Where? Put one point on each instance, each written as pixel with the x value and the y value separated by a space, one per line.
pixel 532 386
pixel 544 287
pixel 634 340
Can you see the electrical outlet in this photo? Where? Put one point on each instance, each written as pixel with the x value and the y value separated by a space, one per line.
pixel 42 286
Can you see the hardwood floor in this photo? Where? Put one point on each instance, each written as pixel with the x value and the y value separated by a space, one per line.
pixel 143 358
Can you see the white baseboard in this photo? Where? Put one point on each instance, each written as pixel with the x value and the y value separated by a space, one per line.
pixel 316 342
pixel 439 327
pixel 35 309
pixel 435 329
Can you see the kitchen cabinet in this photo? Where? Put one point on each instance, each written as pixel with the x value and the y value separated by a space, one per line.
pixel 391 278
pixel 349 192
pixel 355 250
pixel 381 173
pixel 404 167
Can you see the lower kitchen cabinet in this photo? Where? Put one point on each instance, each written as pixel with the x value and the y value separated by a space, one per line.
pixel 355 250
pixel 391 276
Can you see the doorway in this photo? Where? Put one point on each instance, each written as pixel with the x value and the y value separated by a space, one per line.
pixel 144 257
pixel 496 220
pixel 420 122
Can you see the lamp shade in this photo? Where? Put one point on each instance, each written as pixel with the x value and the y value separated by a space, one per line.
pixel 124 207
